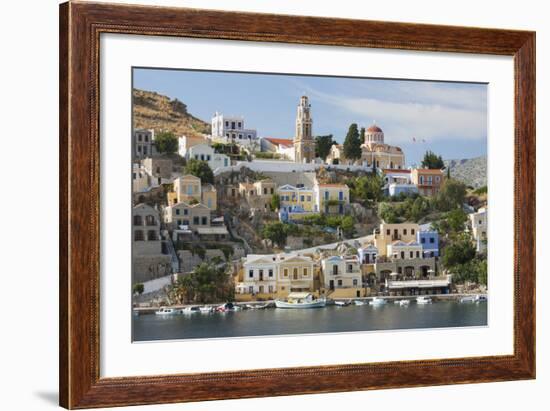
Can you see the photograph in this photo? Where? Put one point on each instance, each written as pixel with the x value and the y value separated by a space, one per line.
pixel 268 204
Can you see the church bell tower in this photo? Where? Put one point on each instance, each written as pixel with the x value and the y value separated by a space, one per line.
pixel 304 146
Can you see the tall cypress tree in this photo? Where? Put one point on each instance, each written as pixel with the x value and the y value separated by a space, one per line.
pixel 352 143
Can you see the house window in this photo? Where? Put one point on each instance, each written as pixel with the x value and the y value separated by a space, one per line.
pixel 355 282
pixel 185 211
pixel 339 283
pixel 412 231
pixel 308 198
pixel 150 220
pixel 404 231
pixel 138 235
pixel 251 290
pixel 272 190
pixel 189 189
pixel 302 198
pixel 326 195
pixel 250 273
pixel 177 211
pixel 239 124
pixel 423 240
pixel 411 254
pixel 418 254
pixel 204 220
pixel 270 272
pixel 432 240
pixel 196 220
pixel 152 235
pixel 265 190
pixel 285 272
pixel 138 220
pixel 402 254
pixel 341 196
pixel 334 270
pixel 388 231
pixel 350 268
pixel 305 272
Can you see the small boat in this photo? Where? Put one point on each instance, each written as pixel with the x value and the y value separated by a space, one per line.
pixel 237 308
pixel 468 299
pixel 481 298
pixel 423 300
pixel 206 309
pixel 166 311
pixel 190 310
pixel 225 308
pixel 378 301
pixel 301 300
pixel 359 302
pixel 256 306
pixel 403 302
pixel 341 303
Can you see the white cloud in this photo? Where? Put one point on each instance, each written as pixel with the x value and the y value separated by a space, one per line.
pixel 423 110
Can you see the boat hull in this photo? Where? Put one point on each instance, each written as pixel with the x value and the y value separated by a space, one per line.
pixel 313 304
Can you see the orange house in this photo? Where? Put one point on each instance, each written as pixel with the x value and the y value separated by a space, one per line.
pixel 427 180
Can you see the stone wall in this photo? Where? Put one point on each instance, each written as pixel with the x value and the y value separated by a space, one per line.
pixel 150 267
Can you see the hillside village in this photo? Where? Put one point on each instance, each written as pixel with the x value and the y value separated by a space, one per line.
pixel 222 214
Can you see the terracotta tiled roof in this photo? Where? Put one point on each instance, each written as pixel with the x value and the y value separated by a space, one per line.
pixel 280 141
pixel 374 129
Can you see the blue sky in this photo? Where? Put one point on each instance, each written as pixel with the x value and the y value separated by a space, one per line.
pixel 447 118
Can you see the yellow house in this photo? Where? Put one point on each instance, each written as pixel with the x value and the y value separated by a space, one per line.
pixel 291 196
pixel 389 233
pixel 330 198
pixel 295 274
pixel 188 189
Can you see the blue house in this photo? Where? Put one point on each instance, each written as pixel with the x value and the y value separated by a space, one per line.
pixel 429 240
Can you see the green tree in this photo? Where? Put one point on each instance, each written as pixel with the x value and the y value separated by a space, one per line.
pixel 362 134
pixel 368 187
pixel 208 283
pixel 166 142
pixel 458 252
pixel 451 195
pixel 200 169
pixel 418 209
pixel 352 143
pixel 277 232
pixel 387 213
pixel 347 224
pixel 275 202
pixel 323 145
pixel 138 288
pixel 433 161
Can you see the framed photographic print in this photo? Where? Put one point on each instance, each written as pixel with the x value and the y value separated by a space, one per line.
pixel 259 205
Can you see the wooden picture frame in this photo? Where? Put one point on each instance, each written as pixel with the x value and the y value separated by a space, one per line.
pixel 80 27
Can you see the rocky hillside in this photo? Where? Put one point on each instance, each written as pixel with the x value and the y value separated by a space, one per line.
pixel 153 110
pixel 472 171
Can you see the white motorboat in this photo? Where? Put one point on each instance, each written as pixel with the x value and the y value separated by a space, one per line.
pixel 341 303
pixel 481 298
pixel 206 309
pixel 403 302
pixel 359 302
pixel 423 300
pixel 378 301
pixel 468 299
pixel 256 306
pixel 190 310
pixel 300 300
pixel 166 311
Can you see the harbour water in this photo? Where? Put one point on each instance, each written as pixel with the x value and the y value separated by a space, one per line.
pixel 330 319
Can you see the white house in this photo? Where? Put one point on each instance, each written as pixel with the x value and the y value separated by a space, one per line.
pixel 478 221
pixel 341 272
pixel 260 275
pixel 231 129
pixel 206 153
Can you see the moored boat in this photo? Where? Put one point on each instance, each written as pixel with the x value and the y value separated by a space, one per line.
pixel 378 301
pixel 359 302
pixel 341 303
pixel 166 311
pixel 190 310
pixel 404 302
pixel 423 300
pixel 300 300
pixel 468 299
pixel 480 298
pixel 206 309
pixel 256 306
